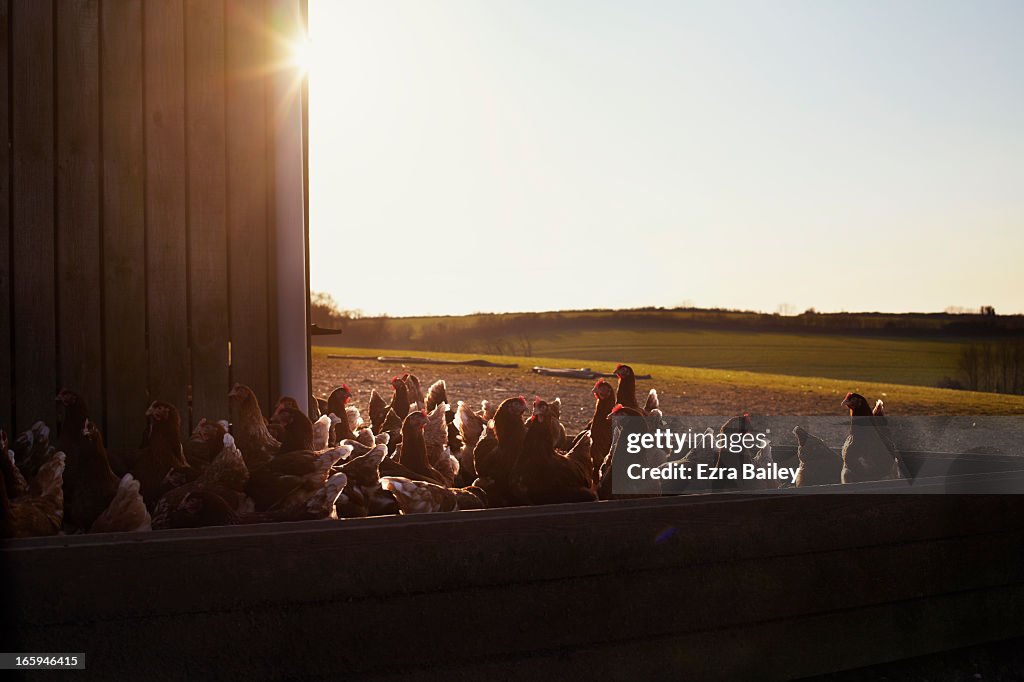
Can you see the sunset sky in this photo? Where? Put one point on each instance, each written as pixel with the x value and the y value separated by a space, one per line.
pixel 486 155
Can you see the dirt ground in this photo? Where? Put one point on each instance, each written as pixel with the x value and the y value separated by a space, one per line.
pixel 473 384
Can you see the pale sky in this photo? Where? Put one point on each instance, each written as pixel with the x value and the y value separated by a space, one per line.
pixel 486 155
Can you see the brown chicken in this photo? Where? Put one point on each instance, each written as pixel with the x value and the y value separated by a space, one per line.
pixel 400 397
pixel 625 392
pixel 546 477
pixel 819 464
pixel 378 410
pixel 127 511
pixel 868 453
pixel 251 433
pixel 297 430
pixel 435 437
pixel 497 452
pixel 290 478
pixel 205 443
pixel 40 512
pixel 95 485
pixel 72 413
pixel 226 477
pixel 471 427
pixel 337 403
pixel 150 465
pixel 411 456
pixel 412 384
pixel 601 426
pixel 363 495
pixel 202 507
pixel 420 497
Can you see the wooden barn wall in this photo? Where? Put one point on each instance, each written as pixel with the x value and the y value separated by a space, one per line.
pixel 136 217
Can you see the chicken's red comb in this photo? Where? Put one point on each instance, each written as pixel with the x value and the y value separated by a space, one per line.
pixel 522 398
pixel 619 366
pixel 345 386
pixel 618 408
pixel 536 400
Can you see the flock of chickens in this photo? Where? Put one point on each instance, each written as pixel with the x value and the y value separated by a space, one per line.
pixel 415 455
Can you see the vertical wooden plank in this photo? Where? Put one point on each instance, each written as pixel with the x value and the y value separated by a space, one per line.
pixel 124 220
pixel 247 195
pixel 166 228
pixel 272 56
pixel 32 111
pixel 207 207
pixel 6 384
pixel 79 254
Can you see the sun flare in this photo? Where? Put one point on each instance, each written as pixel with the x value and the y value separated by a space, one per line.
pixel 302 54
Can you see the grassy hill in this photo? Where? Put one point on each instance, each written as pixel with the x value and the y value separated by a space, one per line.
pixel 911 349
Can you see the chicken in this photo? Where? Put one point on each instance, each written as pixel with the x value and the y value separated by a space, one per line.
pixel 250 431
pixel 228 468
pixel 557 428
pixel 205 443
pixel 96 484
pixel 412 383
pixel 127 511
pixel 149 465
pixel 435 438
pixel 600 426
pixel 38 513
pixel 226 477
pixel 337 404
pixel 202 507
pixel 412 453
pixel 625 392
pixel 819 464
pixel 650 457
pixel 471 427
pixel 72 413
pixel 400 397
pixel 321 432
pixel 32 449
pixel 378 409
pixel 544 476
pixel 420 497
pixel 436 394
pixel 297 430
pixel 733 457
pixel 274 425
pixel 363 495
pixel 292 477
pixel 498 450
pixel 868 453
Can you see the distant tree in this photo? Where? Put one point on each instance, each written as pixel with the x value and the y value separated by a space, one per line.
pixel 786 309
pixel 988 311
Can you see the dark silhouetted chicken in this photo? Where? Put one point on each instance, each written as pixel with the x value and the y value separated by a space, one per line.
pixel 497 452
pixel 819 464
pixel 868 453
pixel 543 475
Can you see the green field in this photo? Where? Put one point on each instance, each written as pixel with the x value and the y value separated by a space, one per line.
pixel 894 360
